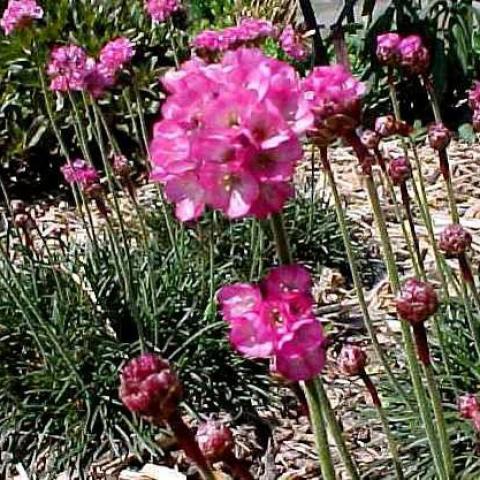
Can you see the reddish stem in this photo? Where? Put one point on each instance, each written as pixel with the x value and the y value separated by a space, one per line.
pixel 364 157
pixel 237 466
pixel 444 164
pixel 372 389
pixel 423 351
pixel 380 160
pixel 187 442
pixel 465 269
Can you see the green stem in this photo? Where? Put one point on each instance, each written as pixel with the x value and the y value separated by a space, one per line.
pixel 335 431
pixel 357 283
pixel 281 239
pixel 320 433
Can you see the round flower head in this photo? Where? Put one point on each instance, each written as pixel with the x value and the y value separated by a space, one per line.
pixel 414 55
pixel 388 51
pixel 399 170
pixel 162 10
pixel 416 301
pixel 18 14
pixel 116 53
pixel 474 96
pixel 455 240
pixel 386 126
pixel 149 387
pixel 352 360
pixel 439 136
pixel 292 44
pixel 214 440
pixel 334 96
pixel 79 171
pixel 468 405
pixel 370 139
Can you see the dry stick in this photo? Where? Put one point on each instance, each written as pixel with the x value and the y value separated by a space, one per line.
pixel 357 283
pixel 392 444
pixel 393 275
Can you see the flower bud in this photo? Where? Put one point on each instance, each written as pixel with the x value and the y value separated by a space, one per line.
pixel 121 167
pixel 399 170
pixel 454 240
pixel 149 387
pixel 23 220
pixel 370 139
pixel 388 52
pixel 416 301
pixel 414 55
pixel 94 191
pixel 352 360
pixel 468 405
pixel 439 136
pixel 403 128
pixel 214 440
pixel 386 125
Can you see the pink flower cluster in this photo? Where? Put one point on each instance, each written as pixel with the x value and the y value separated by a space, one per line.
pixel 334 96
pixel 469 408
pixel 79 171
pixel 474 100
pixel 275 320
pixel 18 14
pixel 161 10
pixel 292 44
pixel 409 52
pixel 250 31
pixel 229 135
pixel 70 68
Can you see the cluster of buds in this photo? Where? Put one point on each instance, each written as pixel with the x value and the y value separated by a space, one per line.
pixel 352 361
pixel 399 170
pixel 469 408
pixel 293 44
pixel 408 52
pixel 216 443
pixel 474 101
pixel 387 125
pixel 439 136
pixel 20 14
pixel 415 303
pixel 150 388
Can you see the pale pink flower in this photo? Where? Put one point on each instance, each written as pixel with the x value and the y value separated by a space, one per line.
pixel 18 14
pixel 388 48
pixel 292 44
pixel 116 53
pixel 188 196
pixel 238 299
pixel 162 10
pixel 79 171
pixel 414 55
pixel 300 353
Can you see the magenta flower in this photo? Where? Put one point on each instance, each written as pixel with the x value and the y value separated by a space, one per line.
pixel 162 10
pixel 352 360
pixel 468 405
pixel 19 14
pixel 416 301
pixel 79 171
pixel 474 96
pixel 149 387
pixel 69 68
pixel 116 53
pixel 229 137
pixel 292 44
pixel 215 440
pixel 439 136
pixel 388 48
pixel 275 320
pixel 414 55
pixel 455 240
pixel 399 170
pixel 334 96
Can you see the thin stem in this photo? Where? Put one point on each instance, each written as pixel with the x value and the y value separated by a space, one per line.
pixel 320 433
pixel 392 444
pixel 357 283
pixel 171 33
pixel 447 176
pixel 335 430
pixel 281 239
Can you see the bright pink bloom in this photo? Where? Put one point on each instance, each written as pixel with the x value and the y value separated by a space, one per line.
pixel 416 301
pixel 292 44
pixel 287 283
pixel 69 68
pixel 238 299
pixel 334 96
pixel 116 53
pixel 300 353
pixel 149 387
pixel 229 135
pixel 162 10
pixel 388 48
pixel 79 171
pixel 414 55
pixel 468 405
pixel 18 14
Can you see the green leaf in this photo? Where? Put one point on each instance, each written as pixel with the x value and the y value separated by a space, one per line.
pixel 460 46
pixel 439 68
pixel 466 133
